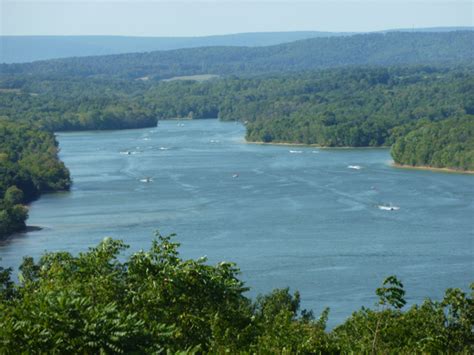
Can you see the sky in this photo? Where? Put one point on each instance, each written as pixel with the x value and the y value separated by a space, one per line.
pixel 201 18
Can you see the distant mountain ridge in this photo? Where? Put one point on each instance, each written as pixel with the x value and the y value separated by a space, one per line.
pixel 380 49
pixel 21 49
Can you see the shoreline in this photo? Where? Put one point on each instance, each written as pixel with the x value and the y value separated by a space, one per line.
pixel 434 169
pixel 310 145
pixel 19 233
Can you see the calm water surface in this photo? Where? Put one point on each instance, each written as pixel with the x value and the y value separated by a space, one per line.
pixel 289 216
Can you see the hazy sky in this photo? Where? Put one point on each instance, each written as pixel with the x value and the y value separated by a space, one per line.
pixel 197 18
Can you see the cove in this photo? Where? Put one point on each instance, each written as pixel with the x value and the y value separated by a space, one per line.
pixel 288 216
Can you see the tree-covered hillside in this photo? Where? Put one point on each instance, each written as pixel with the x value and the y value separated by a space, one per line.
pixel 445 144
pixel 156 302
pixel 393 48
pixel 29 165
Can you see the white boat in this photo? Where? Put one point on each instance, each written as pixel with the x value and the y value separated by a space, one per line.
pixel 388 207
pixel 147 179
pixel 355 167
pixel 127 152
pixel 163 148
pixel 296 151
pixel 235 176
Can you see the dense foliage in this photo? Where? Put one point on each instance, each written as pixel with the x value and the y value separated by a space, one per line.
pixel 66 105
pixel 339 107
pixel 154 301
pixel 445 144
pixel 353 106
pixel 29 165
pixel 394 48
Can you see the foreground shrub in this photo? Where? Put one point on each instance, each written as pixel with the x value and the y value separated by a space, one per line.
pixel 154 302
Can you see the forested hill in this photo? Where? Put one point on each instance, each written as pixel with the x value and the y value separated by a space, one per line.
pixel 394 48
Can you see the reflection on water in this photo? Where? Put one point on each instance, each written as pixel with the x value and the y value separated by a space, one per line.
pixel 287 216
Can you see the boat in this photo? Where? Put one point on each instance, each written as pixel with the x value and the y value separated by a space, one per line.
pixel 389 207
pixel 235 176
pixel 127 152
pixel 147 179
pixel 296 151
pixel 355 167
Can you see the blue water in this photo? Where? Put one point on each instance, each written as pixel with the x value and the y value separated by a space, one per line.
pixel 288 216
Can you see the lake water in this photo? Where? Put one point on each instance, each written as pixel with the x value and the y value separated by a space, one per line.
pixel 289 216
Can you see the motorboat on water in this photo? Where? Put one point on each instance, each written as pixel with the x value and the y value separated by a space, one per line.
pixel 147 179
pixel 389 207
pixel 355 167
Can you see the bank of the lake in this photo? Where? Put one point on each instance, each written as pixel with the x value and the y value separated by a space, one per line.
pixel 304 220
pixel 431 168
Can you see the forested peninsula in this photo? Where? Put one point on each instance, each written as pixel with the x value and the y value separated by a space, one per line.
pixel 445 144
pixel 29 166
